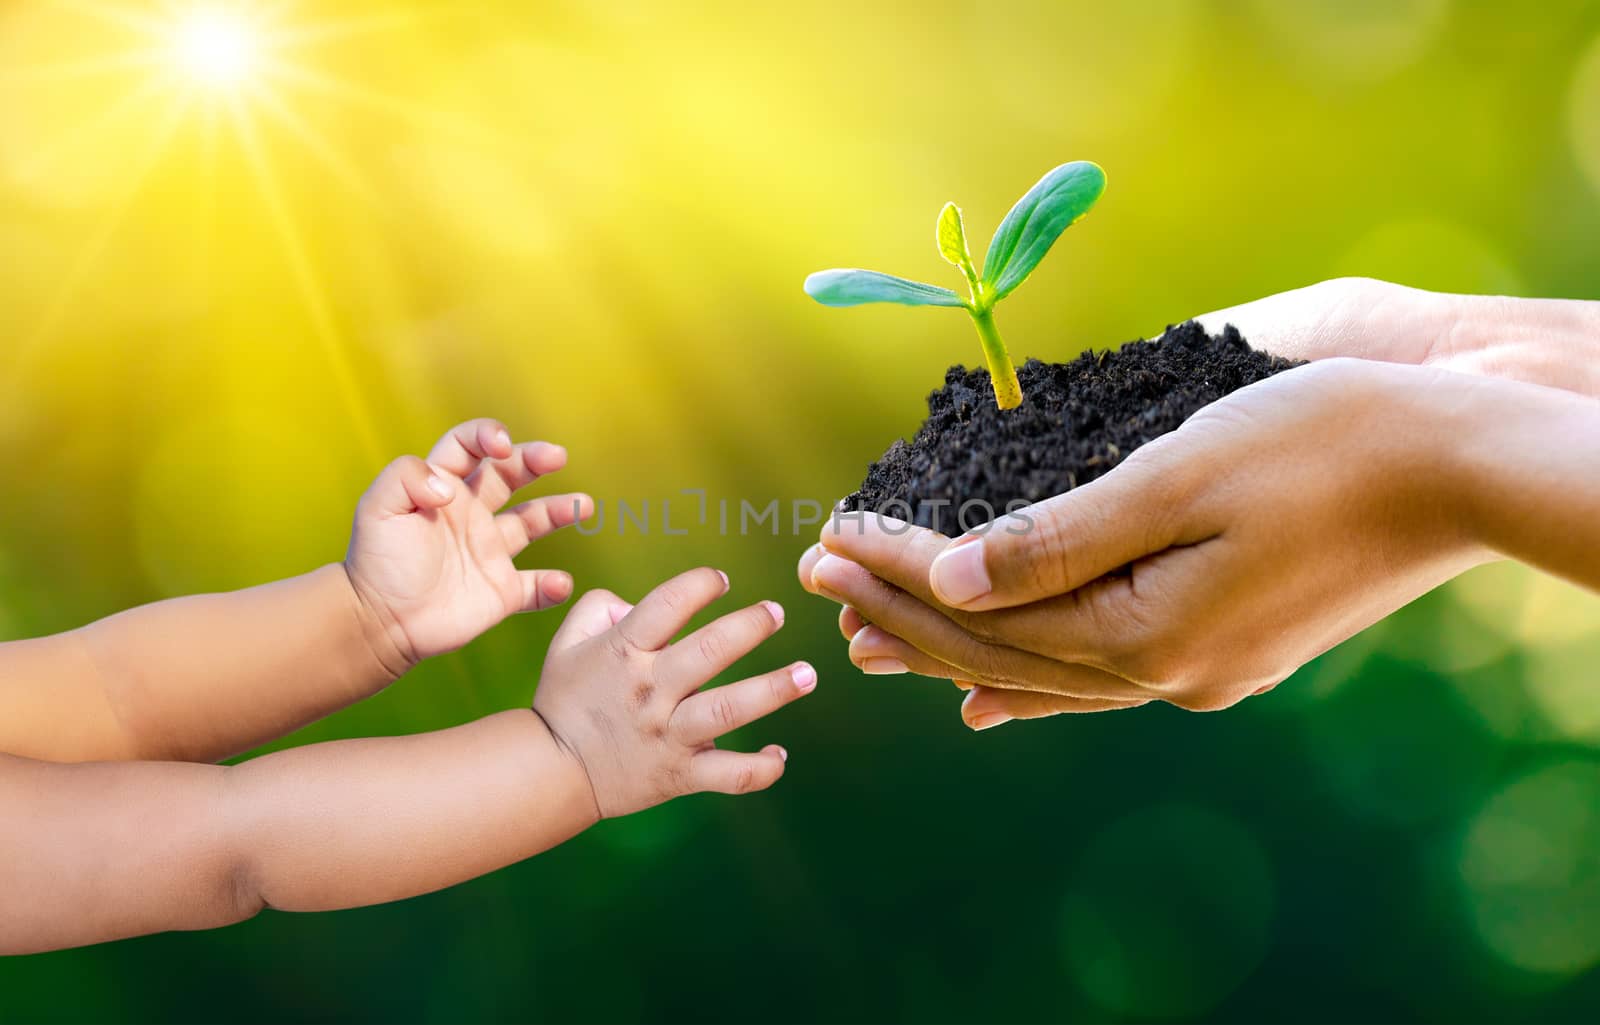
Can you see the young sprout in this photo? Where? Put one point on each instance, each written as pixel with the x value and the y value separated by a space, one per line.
pixel 1029 230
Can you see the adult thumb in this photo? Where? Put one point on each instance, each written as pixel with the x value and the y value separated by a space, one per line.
pixel 1060 544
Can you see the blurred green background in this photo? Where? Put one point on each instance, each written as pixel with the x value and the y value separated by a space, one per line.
pixel 224 308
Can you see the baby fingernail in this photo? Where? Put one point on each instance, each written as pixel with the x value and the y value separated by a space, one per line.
pixel 438 487
pixel 959 575
pixel 804 677
pixel 504 438
pixel 988 720
pixel 783 753
pixel 883 666
pixel 774 610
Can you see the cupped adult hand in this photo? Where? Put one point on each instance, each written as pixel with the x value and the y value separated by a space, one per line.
pixel 1219 558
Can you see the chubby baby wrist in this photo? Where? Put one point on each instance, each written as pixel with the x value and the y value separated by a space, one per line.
pixel 377 631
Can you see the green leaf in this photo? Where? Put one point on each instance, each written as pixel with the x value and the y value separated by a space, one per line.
pixel 849 287
pixel 952 238
pixel 1059 199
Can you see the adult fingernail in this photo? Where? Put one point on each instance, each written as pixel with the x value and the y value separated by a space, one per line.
pixel 867 638
pixel 883 666
pixel 804 677
pixel 774 610
pixel 438 487
pixel 988 720
pixel 958 575
pixel 829 573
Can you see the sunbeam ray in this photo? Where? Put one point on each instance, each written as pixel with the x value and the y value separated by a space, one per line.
pixel 319 147
pixel 372 99
pixel 50 154
pixel 305 275
pixel 119 15
pixel 88 256
pixel 336 29
pixel 58 72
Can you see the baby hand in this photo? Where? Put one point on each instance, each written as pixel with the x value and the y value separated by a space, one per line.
pixel 617 693
pixel 430 555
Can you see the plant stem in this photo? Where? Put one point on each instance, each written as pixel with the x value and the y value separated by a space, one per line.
pixel 1007 389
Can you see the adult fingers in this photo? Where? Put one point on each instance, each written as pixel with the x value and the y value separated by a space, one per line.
pixel 733 772
pixel 697 658
pixel 880 643
pixel 930 631
pixel 808 560
pixel 1064 542
pixel 544 588
pixel 522 524
pixel 987 707
pixel 898 552
pixel 703 717
pixel 665 611
pixel 468 444
pixel 495 480
pixel 405 486
pixel 1095 624
pixel 877 652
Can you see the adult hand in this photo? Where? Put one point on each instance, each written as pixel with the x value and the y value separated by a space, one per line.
pixel 1553 342
pixel 1215 560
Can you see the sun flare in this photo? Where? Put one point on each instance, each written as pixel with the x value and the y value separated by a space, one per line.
pixel 248 76
pixel 215 47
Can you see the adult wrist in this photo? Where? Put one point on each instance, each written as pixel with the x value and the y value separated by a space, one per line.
pixel 1438 419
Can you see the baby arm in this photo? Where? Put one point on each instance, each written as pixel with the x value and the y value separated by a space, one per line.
pixel 204 677
pixel 94 852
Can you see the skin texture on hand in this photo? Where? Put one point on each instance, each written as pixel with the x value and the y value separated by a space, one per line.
pixel 1218 559
pixel 626 701
pixel 430 554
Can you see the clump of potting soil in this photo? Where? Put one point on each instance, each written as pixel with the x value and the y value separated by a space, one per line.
pixel 1077 421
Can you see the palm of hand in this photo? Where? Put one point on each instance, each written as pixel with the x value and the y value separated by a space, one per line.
pixel 444 576
pixel 430 556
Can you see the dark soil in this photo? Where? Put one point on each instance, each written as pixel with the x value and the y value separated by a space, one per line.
pixel 1077 421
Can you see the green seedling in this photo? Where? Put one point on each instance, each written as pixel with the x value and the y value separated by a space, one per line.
pixel 1059 200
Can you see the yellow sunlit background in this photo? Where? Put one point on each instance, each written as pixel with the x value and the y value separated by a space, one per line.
pixel 251 251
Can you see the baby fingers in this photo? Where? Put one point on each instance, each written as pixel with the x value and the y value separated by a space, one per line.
pixel 732 772
pixel 405 486
pixel 470 443
pixel 693 661
pixel 528 522
pixel 495 480
pixel 703 717
pixel 544 588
